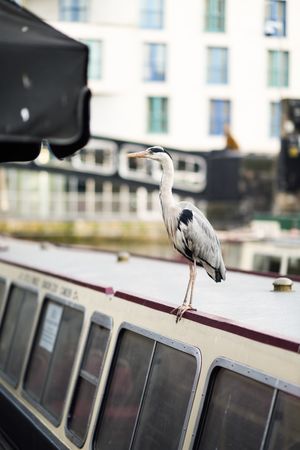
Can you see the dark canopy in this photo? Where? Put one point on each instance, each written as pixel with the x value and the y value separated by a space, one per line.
pixel 43 92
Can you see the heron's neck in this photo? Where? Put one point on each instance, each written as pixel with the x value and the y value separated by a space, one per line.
pixel 166 185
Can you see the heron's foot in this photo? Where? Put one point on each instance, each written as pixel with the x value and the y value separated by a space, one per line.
pixel 181 310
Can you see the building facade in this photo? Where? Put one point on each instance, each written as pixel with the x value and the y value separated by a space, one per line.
pixel 174 72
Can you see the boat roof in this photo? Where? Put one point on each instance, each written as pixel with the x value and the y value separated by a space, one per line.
pixel 244 300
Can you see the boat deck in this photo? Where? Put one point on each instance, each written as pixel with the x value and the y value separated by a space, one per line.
pixel 245 300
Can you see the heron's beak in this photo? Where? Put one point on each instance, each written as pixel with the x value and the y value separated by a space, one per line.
pixel 142 154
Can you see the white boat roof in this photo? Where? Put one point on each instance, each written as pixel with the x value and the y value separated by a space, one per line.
pixel 243 300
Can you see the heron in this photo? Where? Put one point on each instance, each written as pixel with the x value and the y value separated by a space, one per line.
pixel 188 229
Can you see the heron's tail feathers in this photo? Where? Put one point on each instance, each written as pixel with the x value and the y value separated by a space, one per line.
pixel 217 274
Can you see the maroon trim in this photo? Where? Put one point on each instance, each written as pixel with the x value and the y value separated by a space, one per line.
pixel 105 289
pixel 264 274
pixel 204 319
pixel 217 322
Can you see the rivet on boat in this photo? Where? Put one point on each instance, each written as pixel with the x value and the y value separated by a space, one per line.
pixel 123 257
pixel 283 284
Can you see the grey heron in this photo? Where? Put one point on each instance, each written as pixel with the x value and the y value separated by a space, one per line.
pixel 191 233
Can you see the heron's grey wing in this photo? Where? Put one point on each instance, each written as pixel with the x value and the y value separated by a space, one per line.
pixel 197 240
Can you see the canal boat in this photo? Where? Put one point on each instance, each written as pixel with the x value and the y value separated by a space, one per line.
pixel 91 355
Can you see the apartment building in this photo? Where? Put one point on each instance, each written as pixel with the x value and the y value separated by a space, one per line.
pixel 174 72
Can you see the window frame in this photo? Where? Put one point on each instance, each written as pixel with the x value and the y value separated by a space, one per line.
pixel 215 22
pixel 275 111
pixel 157 338
pixel 33 290
pixel 248 372
pixel 152 63
pixel 106 322
pixel 214 119
pixel 40 408
pixel 158 114
pixel 73 10
pixel 278 68
pixel 217 67
pixel 280 7
pixel 152 18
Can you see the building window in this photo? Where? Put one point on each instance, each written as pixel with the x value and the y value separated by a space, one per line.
pixel 155 62
pixel 278 68
pixel 217 65
pixel 152 14
pixel 95 59
pixel 51 362
pixel 215 15
pixel 73 10
pixel 275 119
pixel 275 18
pixel 157 115
pixel 220 112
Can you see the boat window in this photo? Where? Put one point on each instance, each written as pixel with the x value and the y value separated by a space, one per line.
pixel 236 403
pixel 284 431
pixel 2 294
pixel 148 395
pixel 15 331
pixel 293 266
pixel 52 358
pixel 266 263
pixel 90 370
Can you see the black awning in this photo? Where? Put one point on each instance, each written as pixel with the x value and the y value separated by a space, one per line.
pixel 43 92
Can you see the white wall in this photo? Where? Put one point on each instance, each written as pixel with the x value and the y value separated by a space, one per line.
pixel 119 99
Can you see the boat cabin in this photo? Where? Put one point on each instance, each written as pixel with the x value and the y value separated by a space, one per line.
pixel 91 355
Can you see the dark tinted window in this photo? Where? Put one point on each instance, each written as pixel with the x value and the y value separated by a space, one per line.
pixel 170 383
pixel 148 395
pixel 293 266
pixel 87 382
pixel 125 391
pixel 266 263
pixel 284 432
pixel 15 331
pixel 237 412
pixel 2 294
pixel 52 358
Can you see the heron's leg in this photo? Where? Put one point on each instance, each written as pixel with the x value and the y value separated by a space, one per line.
pixel 187 304
pixel 185 301
pixel 194 274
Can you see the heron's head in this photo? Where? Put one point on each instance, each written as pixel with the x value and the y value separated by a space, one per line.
pixel 156 153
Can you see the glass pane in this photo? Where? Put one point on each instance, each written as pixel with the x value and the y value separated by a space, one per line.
pixel 152 13
pixel 293 266
pixel 78 421
pixel 238 410
pixel 285 424
pixel 53 356
pixel 84 393
pixel 169 386
pixel 23 330
pixel 2 292
pixel 43 348
pixel 124 393
pixel 62 361
pixel 9 322
pixel 266 263
pixel 95 349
